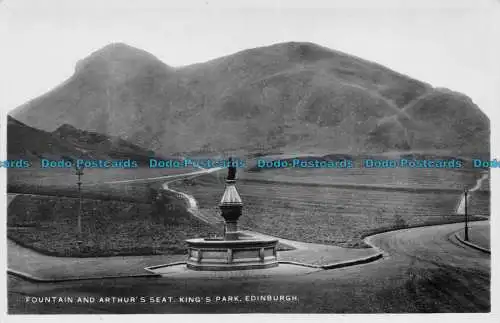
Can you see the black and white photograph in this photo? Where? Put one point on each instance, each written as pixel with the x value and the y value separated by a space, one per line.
pixel 242 157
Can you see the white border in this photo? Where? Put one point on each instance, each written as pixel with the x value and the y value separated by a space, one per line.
pixel 495 140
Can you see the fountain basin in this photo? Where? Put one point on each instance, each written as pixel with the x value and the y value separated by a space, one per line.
pixel 239 254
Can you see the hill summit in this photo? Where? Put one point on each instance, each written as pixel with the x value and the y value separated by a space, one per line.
pixel 293 96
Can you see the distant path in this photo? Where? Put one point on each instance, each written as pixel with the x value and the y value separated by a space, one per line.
pixel 170 177
pixel 10 198
pixel 193 208
pixel 461 205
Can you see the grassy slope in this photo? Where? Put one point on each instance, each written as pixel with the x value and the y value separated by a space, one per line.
pixel 438 118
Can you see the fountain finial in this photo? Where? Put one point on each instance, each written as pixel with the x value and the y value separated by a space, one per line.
pixel 230 196
pixel 231 171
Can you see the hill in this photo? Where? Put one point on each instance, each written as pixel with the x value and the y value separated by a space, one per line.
pixel 29 143
pixel 67 142
pixel 287 96
pixel 103 145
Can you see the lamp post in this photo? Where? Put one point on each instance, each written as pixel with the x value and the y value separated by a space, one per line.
pixel 79 173
pixel 466 229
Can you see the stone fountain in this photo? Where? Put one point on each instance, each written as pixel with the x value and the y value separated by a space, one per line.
pixel 234 251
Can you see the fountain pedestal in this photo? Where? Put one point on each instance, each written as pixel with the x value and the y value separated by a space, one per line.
pixel 248 253
pixel 235 251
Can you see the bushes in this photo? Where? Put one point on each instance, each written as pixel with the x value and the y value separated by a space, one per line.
pixel 109 228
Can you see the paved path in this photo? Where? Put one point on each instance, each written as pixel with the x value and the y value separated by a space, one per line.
pixel 434 244
pixel 425 271
pixel 284 269
pixel 315 253
pixel 41 266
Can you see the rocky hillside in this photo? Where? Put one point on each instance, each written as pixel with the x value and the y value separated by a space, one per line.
pixel 68 142
pixel 288 96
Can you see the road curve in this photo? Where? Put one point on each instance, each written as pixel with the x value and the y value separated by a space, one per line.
pixel 433 244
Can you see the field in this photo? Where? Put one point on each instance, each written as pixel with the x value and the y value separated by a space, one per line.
pixel 109 228
pixel 405 178
pixel 52 176
pixel 62 182
pixel 343 212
